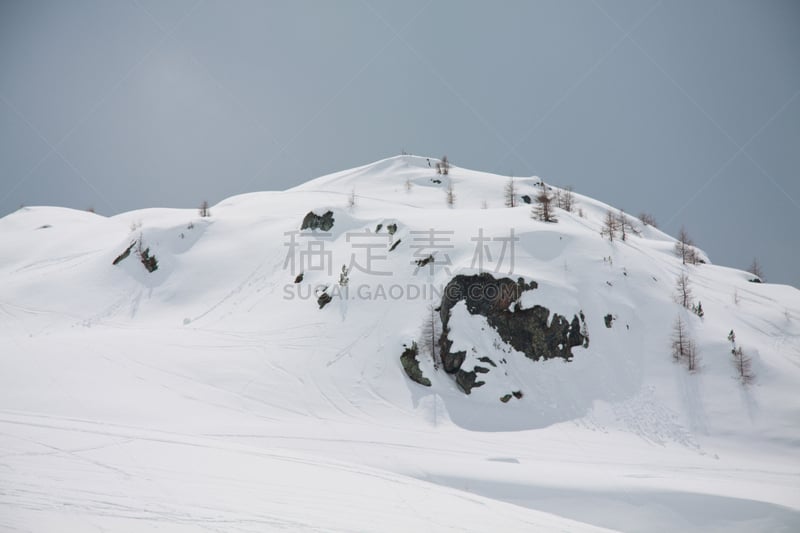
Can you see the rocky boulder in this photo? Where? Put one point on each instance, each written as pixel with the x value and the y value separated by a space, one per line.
pixel 411 365
pixel 315 221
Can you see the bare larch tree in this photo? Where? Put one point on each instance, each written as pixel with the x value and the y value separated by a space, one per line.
pixel 610 226
pixel 684 248
pixel 755 269
pixel 510 193
pixel 648 219
pixel 683 347
pixel 431 331
pixel 683 291
pixel 543 208
pixel 450 195
pixel 443 166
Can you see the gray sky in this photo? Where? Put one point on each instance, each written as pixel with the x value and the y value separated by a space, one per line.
pixel 688 110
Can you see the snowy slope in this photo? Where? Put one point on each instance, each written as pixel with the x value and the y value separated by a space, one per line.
pixel 214 393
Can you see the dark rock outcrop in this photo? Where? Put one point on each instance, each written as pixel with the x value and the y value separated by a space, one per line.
pixel 411 366
pixel 425 261
pixel 486 360
pixel 468 380
pixel 324 299
pixel 124 254
pixel 315 221
pixel 531 331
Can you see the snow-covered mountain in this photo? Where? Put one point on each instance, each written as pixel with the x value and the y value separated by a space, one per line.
pixel 253 380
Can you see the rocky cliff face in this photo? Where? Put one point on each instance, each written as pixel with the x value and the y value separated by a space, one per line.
pixel 531 331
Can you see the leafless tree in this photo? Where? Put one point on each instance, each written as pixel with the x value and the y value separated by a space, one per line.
pixel 684 248
pixel 450 197
pixel 565 199
pixel 543 208
pixel 680 340
pixel 755 269
pixel 610 226
pixel 625 225
pixel 204 210
pixel 648 219
pixel 443 166
pixel 694 256
pixel 431 331
pixel 683 291
pixel 683 347
pixel 744 365
pixel 409 185
pixel 692 357
pixel 510 193
pixel 351 199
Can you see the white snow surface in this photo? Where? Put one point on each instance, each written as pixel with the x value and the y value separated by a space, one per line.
pixel 214 395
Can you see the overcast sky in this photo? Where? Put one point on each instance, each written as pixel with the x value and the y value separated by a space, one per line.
pixel 689 110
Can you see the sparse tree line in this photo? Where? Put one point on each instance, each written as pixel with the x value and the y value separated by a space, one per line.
pixel 618 225
pixel 683 347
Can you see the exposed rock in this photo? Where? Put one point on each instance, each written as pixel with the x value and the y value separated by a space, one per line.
pixel 425 261
pixel 391 228
pixel 505 397
pixel 517 394
pixel 411 366
pixel 124 254
pixel 324 299
pixel 378 228
pixel 526 198
pixel 486 360
pixel 314 221
pixel 531 331
pixel 394 245
pixel 608 319
pixel 468 380
pixel 299 278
